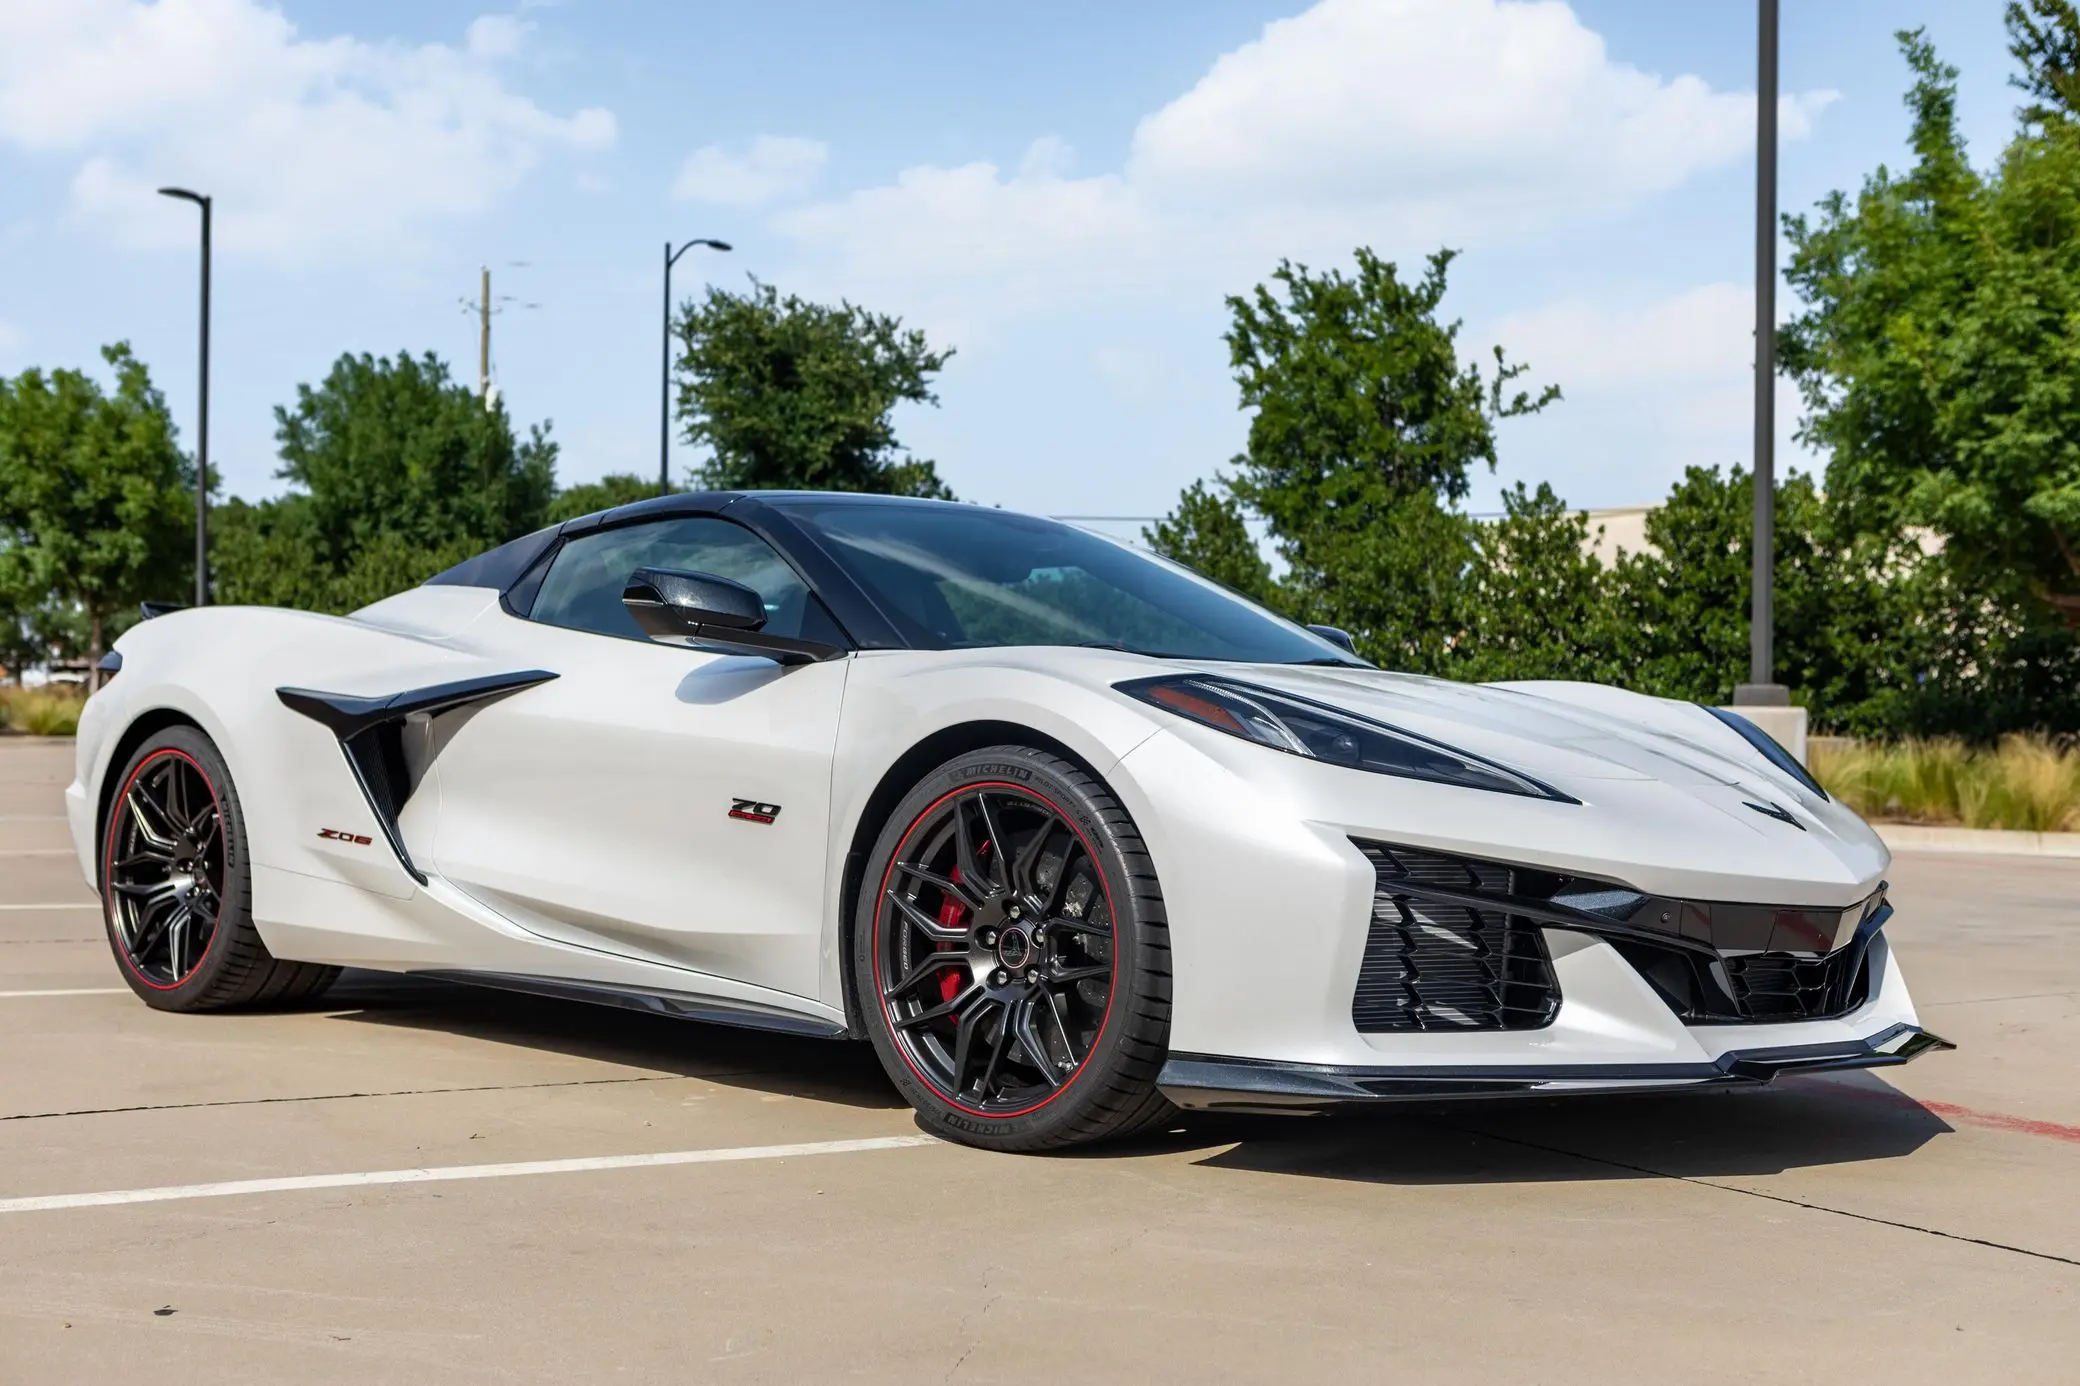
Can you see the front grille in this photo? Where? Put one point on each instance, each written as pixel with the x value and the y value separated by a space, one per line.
pixel 1439 964
pixel 1755 987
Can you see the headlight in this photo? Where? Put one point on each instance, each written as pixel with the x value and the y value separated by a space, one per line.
pixel 1301 727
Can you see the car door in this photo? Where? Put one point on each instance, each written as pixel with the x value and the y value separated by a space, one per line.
pixel 654 801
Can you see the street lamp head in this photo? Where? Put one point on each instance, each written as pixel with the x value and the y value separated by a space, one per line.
pixel 184 195
pixel 714 245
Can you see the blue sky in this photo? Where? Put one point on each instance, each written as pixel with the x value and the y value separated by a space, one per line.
pixel 1062 193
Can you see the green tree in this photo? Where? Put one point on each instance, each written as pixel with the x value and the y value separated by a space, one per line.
pixel 616 488
pixel 1538 600
pixel 396 472
pixel 1939 353
pixel 2044 36
pixel 1208 534
pixel 789 394
pixel 96 502
pixel 1366 429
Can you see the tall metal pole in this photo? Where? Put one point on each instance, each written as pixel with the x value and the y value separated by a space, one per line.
pixel 1762 688
pixel 664 399
pixel 664 402
pixel 484 337
pixel 202 410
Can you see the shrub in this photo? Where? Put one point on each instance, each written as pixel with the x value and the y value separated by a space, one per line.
pixel 40 711
pixel 2028 783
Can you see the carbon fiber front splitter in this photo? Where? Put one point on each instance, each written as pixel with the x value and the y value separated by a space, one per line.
pixel 1209 1082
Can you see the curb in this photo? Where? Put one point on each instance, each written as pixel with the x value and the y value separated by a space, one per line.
pixel 1910 837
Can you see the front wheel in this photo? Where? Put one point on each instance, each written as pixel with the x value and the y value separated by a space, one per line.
pixel 1011 957
pixel 176 887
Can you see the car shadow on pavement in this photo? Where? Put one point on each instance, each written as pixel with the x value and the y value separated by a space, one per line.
pixel 760 1060
pixel 1795 1124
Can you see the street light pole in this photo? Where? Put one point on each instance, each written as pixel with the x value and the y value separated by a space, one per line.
pixel 202 410
pixel 1762 689
pixel 664 404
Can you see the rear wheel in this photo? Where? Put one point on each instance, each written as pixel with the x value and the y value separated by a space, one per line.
pixel 1011 955
pixel 176 887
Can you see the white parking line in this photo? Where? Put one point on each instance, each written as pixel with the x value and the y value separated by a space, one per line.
pixel 66 991
pixel 238 1187
pixel 58 905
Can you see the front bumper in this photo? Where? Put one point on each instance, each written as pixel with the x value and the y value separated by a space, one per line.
pixel 1207 1082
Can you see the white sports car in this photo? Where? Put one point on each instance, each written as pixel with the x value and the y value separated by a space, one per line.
pixel 1072 836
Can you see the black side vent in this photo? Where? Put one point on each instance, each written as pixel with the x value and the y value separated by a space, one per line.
pixel 1437 960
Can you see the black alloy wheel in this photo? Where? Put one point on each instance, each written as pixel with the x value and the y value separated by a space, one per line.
pixel 1016 957
pixel 177 888
pixel 166 867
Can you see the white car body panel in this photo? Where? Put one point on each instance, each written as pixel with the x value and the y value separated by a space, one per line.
pixel 578 830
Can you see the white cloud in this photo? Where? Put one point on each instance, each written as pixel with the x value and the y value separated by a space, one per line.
pixel 1648 390
pixel 307 144
pixel 1704 334
pixel 774 167
pixel 1396 123
pixel 10 336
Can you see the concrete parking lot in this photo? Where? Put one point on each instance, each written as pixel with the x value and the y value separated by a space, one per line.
pixel 1919 1226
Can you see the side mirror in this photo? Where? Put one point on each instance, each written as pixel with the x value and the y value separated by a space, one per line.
pixel 1336 635
pixel 707 612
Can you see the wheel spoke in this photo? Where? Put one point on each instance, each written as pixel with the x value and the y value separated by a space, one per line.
pixel 1058 973
pixel 996 1054
pixel 999 857
pixel 964 852
pixel 925 924
pixel 173 793
pixel 146 855
pixel 964 1042
pixel 1029 1040
pixel 141 810
pixel 1061 1026
pixel 1027 863
pixel 147 892
pixel 150 934
pixel 940 1011
pixel 931 963
pixel 1079 926
pixel 953 889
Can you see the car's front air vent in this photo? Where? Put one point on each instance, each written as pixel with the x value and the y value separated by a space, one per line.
pixel 1438 956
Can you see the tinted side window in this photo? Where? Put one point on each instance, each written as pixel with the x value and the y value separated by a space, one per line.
pixel 583 588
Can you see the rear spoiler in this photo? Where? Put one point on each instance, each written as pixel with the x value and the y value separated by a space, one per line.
pixel 151 609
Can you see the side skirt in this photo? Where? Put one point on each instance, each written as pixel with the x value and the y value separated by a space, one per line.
pixel 675 1005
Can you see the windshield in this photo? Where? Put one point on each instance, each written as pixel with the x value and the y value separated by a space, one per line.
pixel 966 577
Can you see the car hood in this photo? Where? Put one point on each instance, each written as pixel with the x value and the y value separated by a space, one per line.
pixel 1581 739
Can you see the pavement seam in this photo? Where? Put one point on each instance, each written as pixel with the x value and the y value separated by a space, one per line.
pixel 1768 1197
pixel 396 1092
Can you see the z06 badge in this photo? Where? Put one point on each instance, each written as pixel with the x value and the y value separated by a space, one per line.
pixel 752 811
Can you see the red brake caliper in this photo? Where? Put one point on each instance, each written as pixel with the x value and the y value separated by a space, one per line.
pixel 951 912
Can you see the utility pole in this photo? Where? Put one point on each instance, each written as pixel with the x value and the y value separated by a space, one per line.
pixel 1762 689
pixel 202 410
pixel 484 337
pixel 664 403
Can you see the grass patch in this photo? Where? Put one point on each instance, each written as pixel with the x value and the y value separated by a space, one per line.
pixel 2029 783
pixel 40 711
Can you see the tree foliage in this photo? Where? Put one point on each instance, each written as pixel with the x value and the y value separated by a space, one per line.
pixel 1939 352
pixel 1208 534
pixel 97 503
pixel 396 472
pixel 788 394
pixel 616 488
